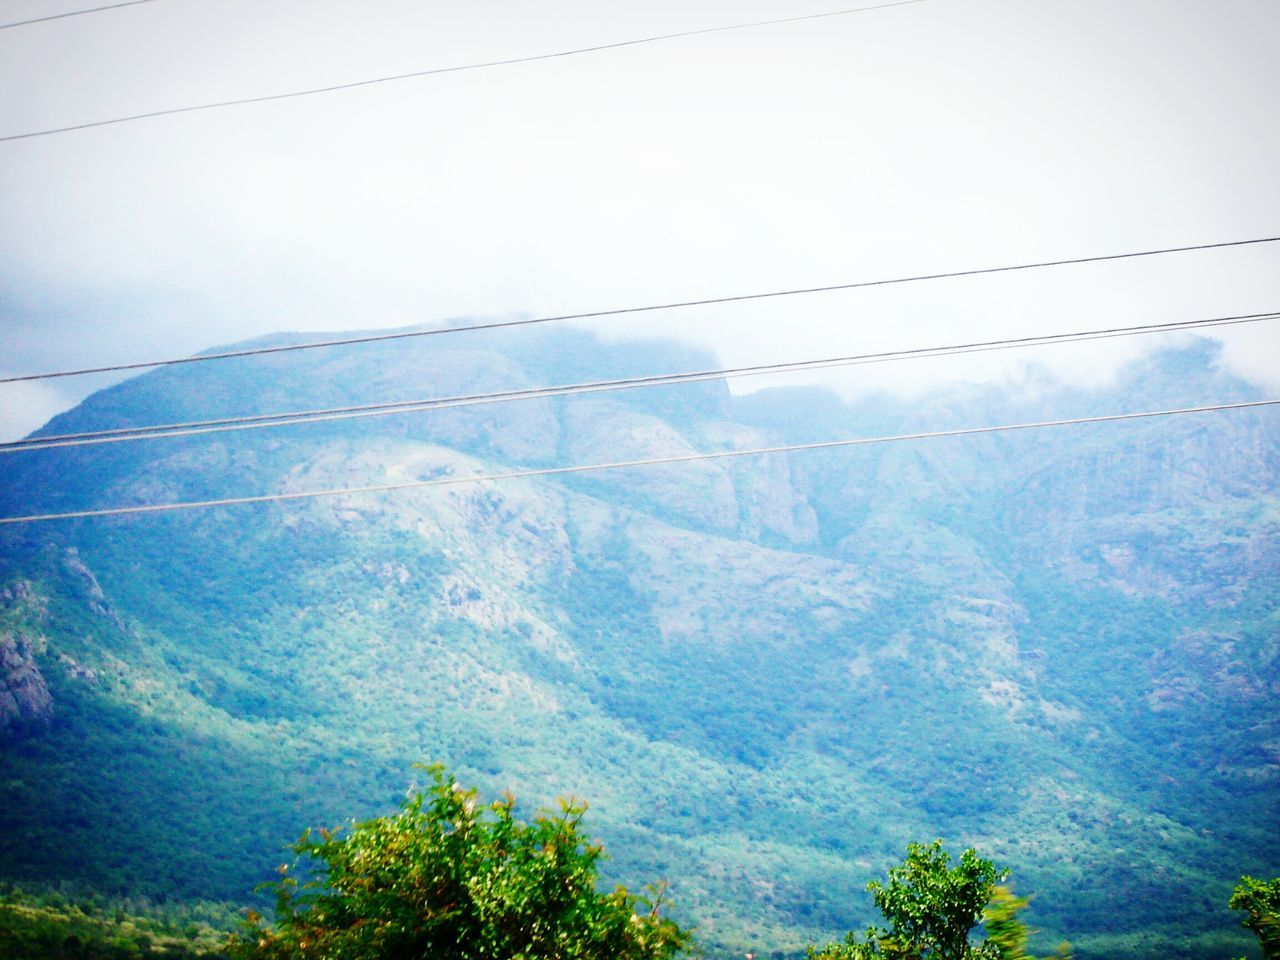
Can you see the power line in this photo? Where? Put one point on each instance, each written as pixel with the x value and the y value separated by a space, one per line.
pixel 270 420
pixel 595 314
pixel 435 71
pixel 73 13
pixel 617 465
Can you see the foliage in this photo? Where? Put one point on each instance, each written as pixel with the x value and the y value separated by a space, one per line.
pixel 1260 902
pixel 932 908
pixel 1008 937
pixel 447 878
pixel 58 924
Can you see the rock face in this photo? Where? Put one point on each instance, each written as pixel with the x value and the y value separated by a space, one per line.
pixel 25 704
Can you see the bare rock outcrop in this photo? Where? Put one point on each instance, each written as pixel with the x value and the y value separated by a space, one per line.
pixel 25 704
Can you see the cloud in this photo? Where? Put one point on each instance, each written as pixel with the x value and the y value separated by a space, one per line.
pixel 28 406
pixel 919 139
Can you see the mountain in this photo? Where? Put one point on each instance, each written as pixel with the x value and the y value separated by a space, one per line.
pixel 767 673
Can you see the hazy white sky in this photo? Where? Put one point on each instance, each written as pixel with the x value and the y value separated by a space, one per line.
pixel 944 135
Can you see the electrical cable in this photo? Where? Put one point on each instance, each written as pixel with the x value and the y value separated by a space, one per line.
pixel 617 465
pixel 455 69
pixel 72 13
pixel 261 421
pixel 596 314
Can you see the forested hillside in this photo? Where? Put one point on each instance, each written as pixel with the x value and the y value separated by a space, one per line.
pixel 768 673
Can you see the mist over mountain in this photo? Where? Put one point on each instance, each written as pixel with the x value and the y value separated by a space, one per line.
pixel 767 673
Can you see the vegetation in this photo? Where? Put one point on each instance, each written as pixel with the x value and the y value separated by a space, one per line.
pixel 73 924
pixel 932 909
pixel 1260 902
pixel 1008 937
pixel 448 879
pixel 750 711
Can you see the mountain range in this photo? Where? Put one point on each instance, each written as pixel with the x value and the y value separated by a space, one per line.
pixel 767 673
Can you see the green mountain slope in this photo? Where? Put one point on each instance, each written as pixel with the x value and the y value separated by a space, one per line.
pixel 767 674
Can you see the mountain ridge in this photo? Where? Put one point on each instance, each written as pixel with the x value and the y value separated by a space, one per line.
pixel 769 673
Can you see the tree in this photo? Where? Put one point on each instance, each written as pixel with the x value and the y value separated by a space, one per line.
pixel 1008 937
pixel 932 908
pixel 448 878
pixel 1260 902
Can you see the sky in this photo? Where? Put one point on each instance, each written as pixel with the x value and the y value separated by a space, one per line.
pixel 936 136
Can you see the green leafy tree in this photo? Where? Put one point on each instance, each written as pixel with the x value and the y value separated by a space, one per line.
pixel 1260 902
pixel 932 908
pixel 451 879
